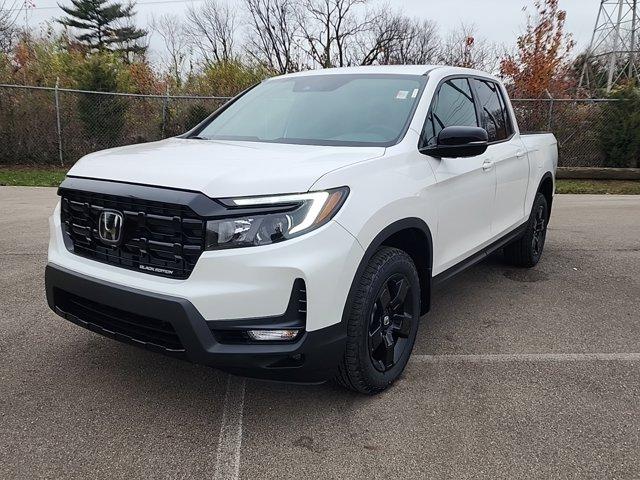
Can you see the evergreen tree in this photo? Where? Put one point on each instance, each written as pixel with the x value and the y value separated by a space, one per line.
pixel 103 116
pixel 620 128
pixel 104 26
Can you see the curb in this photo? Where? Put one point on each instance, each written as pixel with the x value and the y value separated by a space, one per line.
pixel 598 173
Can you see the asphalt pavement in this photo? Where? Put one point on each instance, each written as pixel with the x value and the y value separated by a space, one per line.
pixel 515 374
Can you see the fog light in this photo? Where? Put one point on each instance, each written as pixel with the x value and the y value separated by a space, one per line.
pixel 272 335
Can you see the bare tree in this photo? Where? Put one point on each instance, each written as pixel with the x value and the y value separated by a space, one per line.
pixel 211 29
pixel 273 32
pixel 396 39
pixel 330 28
pixel 176 42
pixel 420 45
pixel 386 32
pixel 461 48
pixel 9 11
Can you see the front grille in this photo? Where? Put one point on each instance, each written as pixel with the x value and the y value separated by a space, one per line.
pixel 122 325
pixel 158 238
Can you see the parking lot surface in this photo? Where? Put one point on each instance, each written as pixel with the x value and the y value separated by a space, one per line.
pixel 516 374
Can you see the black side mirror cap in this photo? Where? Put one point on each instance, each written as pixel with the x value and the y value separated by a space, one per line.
pixel 459 142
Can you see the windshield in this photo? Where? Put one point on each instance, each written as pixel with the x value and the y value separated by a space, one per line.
pixel 352 110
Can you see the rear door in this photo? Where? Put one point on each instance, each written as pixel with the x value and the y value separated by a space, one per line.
pixel 465 187
pixel 508 155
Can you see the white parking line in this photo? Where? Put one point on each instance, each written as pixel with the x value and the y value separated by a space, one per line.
pixel 529 357
pixel 230 439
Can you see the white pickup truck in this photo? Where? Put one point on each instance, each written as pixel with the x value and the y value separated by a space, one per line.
pixel 297 233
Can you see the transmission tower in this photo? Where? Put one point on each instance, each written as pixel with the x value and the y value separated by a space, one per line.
pixel 613 55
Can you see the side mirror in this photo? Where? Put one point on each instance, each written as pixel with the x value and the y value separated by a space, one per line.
pixel 458 142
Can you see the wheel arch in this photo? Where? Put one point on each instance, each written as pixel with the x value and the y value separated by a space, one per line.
pixel 411 235
pixel 546 187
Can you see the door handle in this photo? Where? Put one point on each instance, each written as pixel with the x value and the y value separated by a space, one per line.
pixel 520 154
pixel 487 165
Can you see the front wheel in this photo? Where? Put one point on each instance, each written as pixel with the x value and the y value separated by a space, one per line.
pixel 382 323
pixel 527 250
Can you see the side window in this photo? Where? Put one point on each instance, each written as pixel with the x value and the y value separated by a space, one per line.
pixel 453 106
pixel 495 119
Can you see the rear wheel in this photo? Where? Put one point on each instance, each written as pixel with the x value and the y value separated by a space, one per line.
pixel 527 250
pixel 382 324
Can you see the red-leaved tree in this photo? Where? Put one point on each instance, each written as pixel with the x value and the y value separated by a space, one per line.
pixel 542 62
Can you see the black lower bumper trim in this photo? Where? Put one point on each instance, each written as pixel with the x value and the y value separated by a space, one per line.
pixel 150 320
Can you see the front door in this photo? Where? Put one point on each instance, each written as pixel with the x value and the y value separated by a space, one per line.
pixel 466 187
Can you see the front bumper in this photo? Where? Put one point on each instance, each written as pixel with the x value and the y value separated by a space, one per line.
pixel 313 357
pixel 253 282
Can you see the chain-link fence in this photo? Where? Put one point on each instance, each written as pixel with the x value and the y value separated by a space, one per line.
pixel 575 123
pixel 57 126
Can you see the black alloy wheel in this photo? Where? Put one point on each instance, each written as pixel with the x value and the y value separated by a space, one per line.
pixel 382 322
pixel 390 323
pixel 526 250
pixel 539 230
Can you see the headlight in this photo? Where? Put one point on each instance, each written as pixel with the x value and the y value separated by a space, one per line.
pixel 274 218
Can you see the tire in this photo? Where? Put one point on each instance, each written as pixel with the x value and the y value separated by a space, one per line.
pixel 382 323
pixel 527 250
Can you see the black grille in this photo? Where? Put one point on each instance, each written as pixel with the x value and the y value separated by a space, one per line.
pixel 122 325
pixel 158 238
pixel 302 300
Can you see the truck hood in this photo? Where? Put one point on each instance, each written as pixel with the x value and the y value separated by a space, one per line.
pixel 221 168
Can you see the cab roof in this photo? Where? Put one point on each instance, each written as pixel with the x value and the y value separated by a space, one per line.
pixel 374 69
pixel 442 70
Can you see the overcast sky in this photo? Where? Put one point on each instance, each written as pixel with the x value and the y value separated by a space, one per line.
pixel 496 20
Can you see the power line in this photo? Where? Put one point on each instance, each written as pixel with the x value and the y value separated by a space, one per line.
pixel 615 44
pixel 153 2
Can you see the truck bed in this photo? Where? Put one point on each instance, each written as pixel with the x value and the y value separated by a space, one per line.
pixel 540 147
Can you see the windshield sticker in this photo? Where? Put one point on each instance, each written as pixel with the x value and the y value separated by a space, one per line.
pixel 415 93
pixel 402 94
